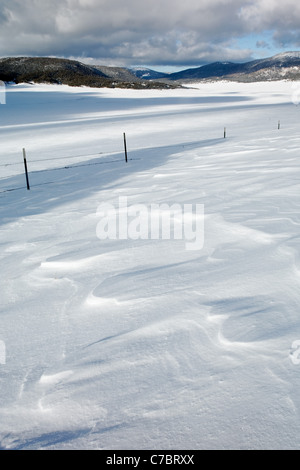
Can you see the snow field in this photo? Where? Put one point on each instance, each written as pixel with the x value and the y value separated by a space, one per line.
pixel 141 344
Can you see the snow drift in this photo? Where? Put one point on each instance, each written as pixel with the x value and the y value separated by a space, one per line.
pixel 140 343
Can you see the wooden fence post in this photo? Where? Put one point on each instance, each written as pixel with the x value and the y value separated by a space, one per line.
pixel 26 170
pixel 125 147
pixel 224 132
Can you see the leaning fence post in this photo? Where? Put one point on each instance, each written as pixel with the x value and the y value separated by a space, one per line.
pixel 26 171
pixel 125 147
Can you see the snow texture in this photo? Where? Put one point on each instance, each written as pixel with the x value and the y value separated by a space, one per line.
pixel 142 344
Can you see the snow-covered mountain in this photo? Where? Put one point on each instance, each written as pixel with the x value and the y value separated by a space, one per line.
pixel 148 74
pixel 119 73
pixel 281 66
pixel 288 55
pixel 63 71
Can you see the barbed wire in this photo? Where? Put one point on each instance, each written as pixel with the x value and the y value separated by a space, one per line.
pixel 59 169
pixel 54 159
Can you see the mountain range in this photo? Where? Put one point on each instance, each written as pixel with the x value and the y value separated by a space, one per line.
pixel 284 66
pixel 70 72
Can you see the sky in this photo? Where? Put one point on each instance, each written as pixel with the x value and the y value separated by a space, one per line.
pixel 161 34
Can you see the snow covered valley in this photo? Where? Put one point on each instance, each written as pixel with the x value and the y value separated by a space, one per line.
pixel 139 342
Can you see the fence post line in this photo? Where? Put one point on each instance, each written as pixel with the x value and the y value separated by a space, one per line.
pixel 125 147
pixel 26 170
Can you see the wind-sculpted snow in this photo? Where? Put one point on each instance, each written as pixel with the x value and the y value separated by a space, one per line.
pixel 139 343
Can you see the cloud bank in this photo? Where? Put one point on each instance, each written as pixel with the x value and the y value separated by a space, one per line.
pixel 160 32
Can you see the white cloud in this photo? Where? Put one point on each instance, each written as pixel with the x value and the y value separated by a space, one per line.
pixel 132 31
